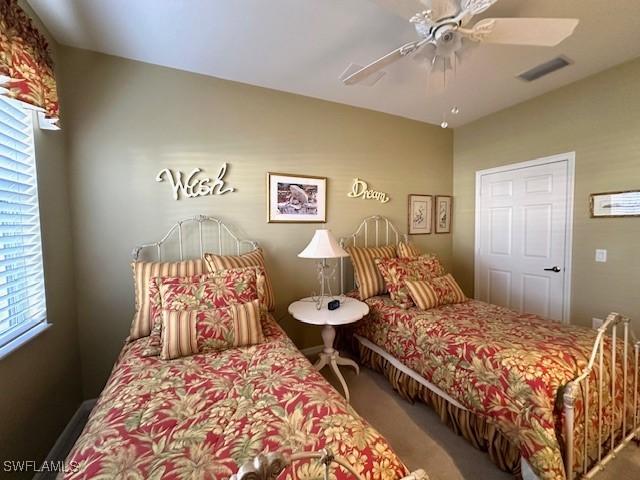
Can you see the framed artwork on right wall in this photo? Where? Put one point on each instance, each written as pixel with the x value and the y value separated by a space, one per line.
pixel 443 210
pixel 420 214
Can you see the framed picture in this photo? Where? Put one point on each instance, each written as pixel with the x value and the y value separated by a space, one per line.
pixel 615 204
pixel 443 213
pixel 296 198
pixel 420 214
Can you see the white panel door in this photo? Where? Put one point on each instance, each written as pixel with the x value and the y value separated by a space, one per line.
pixel 522 234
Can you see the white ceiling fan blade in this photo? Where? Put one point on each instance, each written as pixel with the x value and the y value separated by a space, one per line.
pixel 476 7
pixel 542 32
pixel 382 62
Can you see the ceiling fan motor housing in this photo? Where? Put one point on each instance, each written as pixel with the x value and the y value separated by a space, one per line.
pixel 445 33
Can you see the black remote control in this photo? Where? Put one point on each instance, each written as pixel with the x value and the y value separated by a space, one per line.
pixel 333 304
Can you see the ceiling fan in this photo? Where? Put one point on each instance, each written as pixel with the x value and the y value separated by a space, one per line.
pixel 444 29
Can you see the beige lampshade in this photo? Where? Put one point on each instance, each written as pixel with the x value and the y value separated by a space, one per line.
pixel 323 245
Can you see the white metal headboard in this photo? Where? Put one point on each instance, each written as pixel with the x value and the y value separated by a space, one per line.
pixel 373 231
pixel 197 235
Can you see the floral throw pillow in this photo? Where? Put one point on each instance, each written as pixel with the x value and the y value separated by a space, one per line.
pixel 396 271
pixel 216 263
pixel 209 290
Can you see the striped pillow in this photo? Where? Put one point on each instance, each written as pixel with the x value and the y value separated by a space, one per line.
pixel 435 292
pixel 247 327
pixel 255 258
pixel 179 334
pixel 370 281
pixel 186 332
pixel 408 250
pixel 154 345
pixel 143 272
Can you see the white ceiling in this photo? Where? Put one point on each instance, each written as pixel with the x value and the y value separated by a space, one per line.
pixel 302 46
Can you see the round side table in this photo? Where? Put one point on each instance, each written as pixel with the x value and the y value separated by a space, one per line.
pixel 350 311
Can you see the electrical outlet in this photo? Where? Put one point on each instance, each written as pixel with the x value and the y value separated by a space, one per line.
pixel 596 323
pixel 601 255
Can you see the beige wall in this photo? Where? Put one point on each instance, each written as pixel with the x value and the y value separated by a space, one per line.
pixel 599 119
pixel 40 382
pixel 127 120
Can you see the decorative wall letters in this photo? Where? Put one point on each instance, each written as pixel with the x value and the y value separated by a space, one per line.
pixel 361 189
pixel 194 186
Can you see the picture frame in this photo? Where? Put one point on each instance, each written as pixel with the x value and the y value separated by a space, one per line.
pixel 620 204
pixel 420 214
pixel 296 198
pixel 442 213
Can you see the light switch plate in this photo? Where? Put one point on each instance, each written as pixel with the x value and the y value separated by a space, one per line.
pixel 601 255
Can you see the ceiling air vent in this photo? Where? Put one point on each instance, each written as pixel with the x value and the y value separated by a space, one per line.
pixel 545 69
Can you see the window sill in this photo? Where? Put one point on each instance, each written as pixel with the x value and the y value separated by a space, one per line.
pixel 22 339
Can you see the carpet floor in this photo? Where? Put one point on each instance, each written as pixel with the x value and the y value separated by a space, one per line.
pixel 422 441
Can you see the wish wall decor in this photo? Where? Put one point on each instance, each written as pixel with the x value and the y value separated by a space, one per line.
pixel 360 189
pixel 420 214
pixel 296 198
pixel 193 184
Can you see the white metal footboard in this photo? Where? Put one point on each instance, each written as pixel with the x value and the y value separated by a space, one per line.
pixel 618 437
pixel 271 465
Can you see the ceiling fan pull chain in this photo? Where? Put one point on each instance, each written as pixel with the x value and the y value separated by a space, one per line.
pixel 455 67
pixel 444 73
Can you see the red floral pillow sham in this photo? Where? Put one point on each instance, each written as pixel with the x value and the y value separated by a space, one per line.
pixel 396 271
pixel 209 290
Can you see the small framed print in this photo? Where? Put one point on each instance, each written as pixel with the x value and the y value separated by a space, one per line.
pixel 615 204
pixel 420 214
pixel 443 213
pixel 296 198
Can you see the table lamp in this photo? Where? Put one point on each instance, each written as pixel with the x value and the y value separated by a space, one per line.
pixel 323 246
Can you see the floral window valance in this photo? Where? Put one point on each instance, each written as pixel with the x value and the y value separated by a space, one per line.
pixel 26 67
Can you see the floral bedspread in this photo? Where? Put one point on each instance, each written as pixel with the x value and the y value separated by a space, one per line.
pixel 508 367
pixel 201 417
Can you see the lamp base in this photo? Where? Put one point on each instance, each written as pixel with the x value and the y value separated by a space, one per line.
pixel 324 276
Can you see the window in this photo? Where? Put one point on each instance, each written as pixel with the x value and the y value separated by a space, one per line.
pixel 22 297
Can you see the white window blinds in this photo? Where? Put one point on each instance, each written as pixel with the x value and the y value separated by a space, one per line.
pixel 22 296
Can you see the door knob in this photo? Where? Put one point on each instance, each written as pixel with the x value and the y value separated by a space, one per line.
pixel 555 269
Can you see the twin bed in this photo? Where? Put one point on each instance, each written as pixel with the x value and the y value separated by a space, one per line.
pixel 515 385
pixel 251 412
